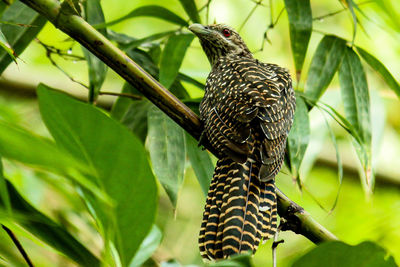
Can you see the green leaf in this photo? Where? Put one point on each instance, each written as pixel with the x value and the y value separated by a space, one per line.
pixel 337 253
pixel 96 68
pixel 6 46
pixel 146 40
pixel 299 136
pixel 381 69
pixel 3 190
pixel 48 231
pixel 300 25
pixel 338 160
pixel 355 95
pixel 172 57
pixel 43 154
pixel 135 118
pixel 191 10
pixel 166 144
pixel 354 90
pixel 19 37
pixel 117 157
pixel 149 245
pixel 323 66
pixel 351 5
pixel 148 11
pixel 201 163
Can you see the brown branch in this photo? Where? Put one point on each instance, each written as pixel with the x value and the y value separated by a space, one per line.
pixel 296 218
pixel 18 245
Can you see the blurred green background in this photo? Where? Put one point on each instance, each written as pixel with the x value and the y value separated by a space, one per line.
pixel 355 218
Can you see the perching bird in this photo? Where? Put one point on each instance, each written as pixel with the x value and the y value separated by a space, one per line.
pixel 247 112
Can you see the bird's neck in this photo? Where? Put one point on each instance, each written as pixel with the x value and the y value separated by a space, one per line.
pixel 215 55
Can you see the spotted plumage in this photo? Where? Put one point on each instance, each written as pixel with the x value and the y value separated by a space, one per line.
pixel 247 112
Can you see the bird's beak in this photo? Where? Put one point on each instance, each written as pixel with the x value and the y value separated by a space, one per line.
pixel 199 29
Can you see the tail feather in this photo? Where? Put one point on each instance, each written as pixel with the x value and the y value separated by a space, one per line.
pixel 239 211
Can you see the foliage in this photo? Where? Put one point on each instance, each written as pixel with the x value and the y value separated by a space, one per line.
pixel 111 161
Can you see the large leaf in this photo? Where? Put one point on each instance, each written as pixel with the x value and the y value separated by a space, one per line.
pixel 355 95
pixel 48 231
pixel 44 154
pixel 299 136
pixel 191 10
pixel 381 69
pixel 117 157
pixel 300 25
pixel 96 68
pixel 166 144
pixel 149 11
pixel 172 57
pixel 19 37
pixel 324 64
pixel 201 163
pixel 336 253
pixel 149 245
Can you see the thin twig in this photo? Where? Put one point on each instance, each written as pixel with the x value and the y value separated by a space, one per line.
pixel 258 3
pixel 339 11
pixel 207 7
pixel 18 245
pixel 270 27
pixel 55 50
pixel 135 97
pixel 49 53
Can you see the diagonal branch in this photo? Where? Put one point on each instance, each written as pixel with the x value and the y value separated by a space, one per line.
pixel 294 216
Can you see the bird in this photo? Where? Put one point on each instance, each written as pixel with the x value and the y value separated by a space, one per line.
pixel 246 112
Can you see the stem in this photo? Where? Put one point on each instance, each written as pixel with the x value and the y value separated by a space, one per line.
pixel 297 219
pixel 134 97
pixel 18 245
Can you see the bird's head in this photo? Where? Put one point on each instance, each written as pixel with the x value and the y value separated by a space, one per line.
pixel 219 40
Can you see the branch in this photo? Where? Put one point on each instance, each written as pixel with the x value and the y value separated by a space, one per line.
pixel 18 245
pixel 296 219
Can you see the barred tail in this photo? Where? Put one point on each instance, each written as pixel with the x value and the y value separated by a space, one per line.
pixel 240 210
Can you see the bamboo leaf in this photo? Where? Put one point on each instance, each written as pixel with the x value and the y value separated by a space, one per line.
pixel 3 190
pixel 299 136
pixel 201 163
pixel 323 66
pixel 148 11
pixel 135 118
pixel 172 57
pixel 381 69
pixel 48 231
pixel 191 10
pixel 6 46
pixel 354 89
pixel 351 5
pixel 19 37
pixel 117 157
pixel 166 145
pixel 146 40
pixel 355 95
pixel 300 26
pixel 96 68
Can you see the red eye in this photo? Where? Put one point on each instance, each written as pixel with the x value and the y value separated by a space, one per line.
pixel 226 32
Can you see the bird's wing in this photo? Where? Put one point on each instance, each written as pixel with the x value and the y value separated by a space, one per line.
pixel 276 103
pixel 245 93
